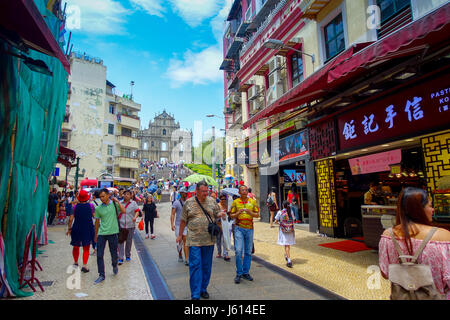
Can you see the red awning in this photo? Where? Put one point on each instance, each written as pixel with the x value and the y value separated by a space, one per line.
pixel 66 156
pixel 24 18
pixel 311 88
pixel 429 30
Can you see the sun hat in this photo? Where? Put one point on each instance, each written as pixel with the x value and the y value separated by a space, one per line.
pixel 84 196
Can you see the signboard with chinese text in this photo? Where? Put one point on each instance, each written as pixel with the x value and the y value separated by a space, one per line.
pixel 418 109
pixel 375 162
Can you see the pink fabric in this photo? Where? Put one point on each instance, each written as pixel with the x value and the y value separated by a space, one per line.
pixel 436 254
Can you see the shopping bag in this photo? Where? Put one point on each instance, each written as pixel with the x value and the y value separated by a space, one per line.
pixel 226 230
pixel 141 225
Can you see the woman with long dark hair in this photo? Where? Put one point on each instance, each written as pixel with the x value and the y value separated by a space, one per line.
pixel 294 200
pixel 150 213
pixel 286 233
pixel 413 224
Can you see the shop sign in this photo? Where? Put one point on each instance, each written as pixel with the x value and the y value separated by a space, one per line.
pixel 375 162
pixel 420 108
pixel 241 155
pixel 293 146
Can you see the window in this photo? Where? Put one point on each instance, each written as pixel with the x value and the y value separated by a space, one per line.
pixel 153 143
pixel 390 8
pixel 110 128
pixel 125 153
pixel 334 37
pixel 163 146
pixel 110 150
pixel 164 132
pixel 111 108
pixel 126 132
pixel 296 69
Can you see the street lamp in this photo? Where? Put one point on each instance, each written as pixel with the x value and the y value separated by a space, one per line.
pixel 278 44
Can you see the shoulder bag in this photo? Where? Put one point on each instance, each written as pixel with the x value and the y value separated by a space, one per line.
pixel 410 280
pixel 213 228
pixel 123 232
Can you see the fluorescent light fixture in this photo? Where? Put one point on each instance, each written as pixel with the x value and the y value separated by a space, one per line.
pixel 405 76
pixel 385 145
pixel 409 140
pixel 365 150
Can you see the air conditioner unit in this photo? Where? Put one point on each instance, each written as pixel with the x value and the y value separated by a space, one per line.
pixel 253 92
pixel 274 93
pixel 275 64
pixel 236 98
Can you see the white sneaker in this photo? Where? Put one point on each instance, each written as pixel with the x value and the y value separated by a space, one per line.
pixel 146 236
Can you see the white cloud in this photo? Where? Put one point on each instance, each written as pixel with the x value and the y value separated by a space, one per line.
pixel 96 17
pixel 152 7
pixel 194 12
pixel 196 68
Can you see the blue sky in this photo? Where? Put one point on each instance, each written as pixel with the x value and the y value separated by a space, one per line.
pixel 171 49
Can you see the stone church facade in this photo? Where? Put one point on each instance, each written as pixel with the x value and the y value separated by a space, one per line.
pixel 156 141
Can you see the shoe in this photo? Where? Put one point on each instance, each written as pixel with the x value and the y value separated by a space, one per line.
pixel 247 277
pixel 128 259
pixel 100 279
pixel 84 270
pixel 226 258
pixel 186 263
pixel 204 295
pixel 237 279
pixel 289 264
pixel 153 236
pixel 219 256
pixel 180 259
pixel 115 270
pixel 120 262
pixel 146 236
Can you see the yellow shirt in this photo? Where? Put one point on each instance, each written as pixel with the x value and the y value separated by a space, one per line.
pixel 244 220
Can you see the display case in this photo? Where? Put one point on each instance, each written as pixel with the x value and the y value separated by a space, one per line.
pixel 441 205
pixel 375 219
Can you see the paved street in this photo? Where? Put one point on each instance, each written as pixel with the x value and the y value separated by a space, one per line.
pixel 267 284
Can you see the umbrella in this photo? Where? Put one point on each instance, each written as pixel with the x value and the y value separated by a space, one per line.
pixel 231 191
pixel 112 189
pixel 228 176
pixel 194 178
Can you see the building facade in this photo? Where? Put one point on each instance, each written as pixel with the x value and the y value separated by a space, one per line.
pixel 99 125
pixel 299 75
pixel 163 137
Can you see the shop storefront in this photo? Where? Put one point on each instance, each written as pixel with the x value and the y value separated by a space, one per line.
pixel 398 140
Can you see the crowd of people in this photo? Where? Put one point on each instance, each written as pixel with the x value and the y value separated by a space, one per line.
pixel 97 218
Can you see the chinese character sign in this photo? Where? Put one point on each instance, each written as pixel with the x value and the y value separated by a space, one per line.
pixel 375 162
pixel 420 109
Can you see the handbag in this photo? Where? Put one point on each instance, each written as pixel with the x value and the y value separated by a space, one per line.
pixel 123 232
pixel 410 280
pixel 141 225
pixel 213 228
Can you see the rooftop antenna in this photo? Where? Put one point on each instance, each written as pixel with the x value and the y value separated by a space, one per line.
pixel 131 95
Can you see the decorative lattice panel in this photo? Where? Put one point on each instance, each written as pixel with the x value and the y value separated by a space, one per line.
pixel 322 140
pixel 436 154
pixel 326 193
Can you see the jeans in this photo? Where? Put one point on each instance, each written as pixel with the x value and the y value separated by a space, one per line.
pixel 296 212
pixel 200 263
pixel 147 220
pixel 221 243
pixel 243 241
pixel 113 241
pixel 126 245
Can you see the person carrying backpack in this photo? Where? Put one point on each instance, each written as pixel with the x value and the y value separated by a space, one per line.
pixel 272 204
pixel 427 275
pixel 286 233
